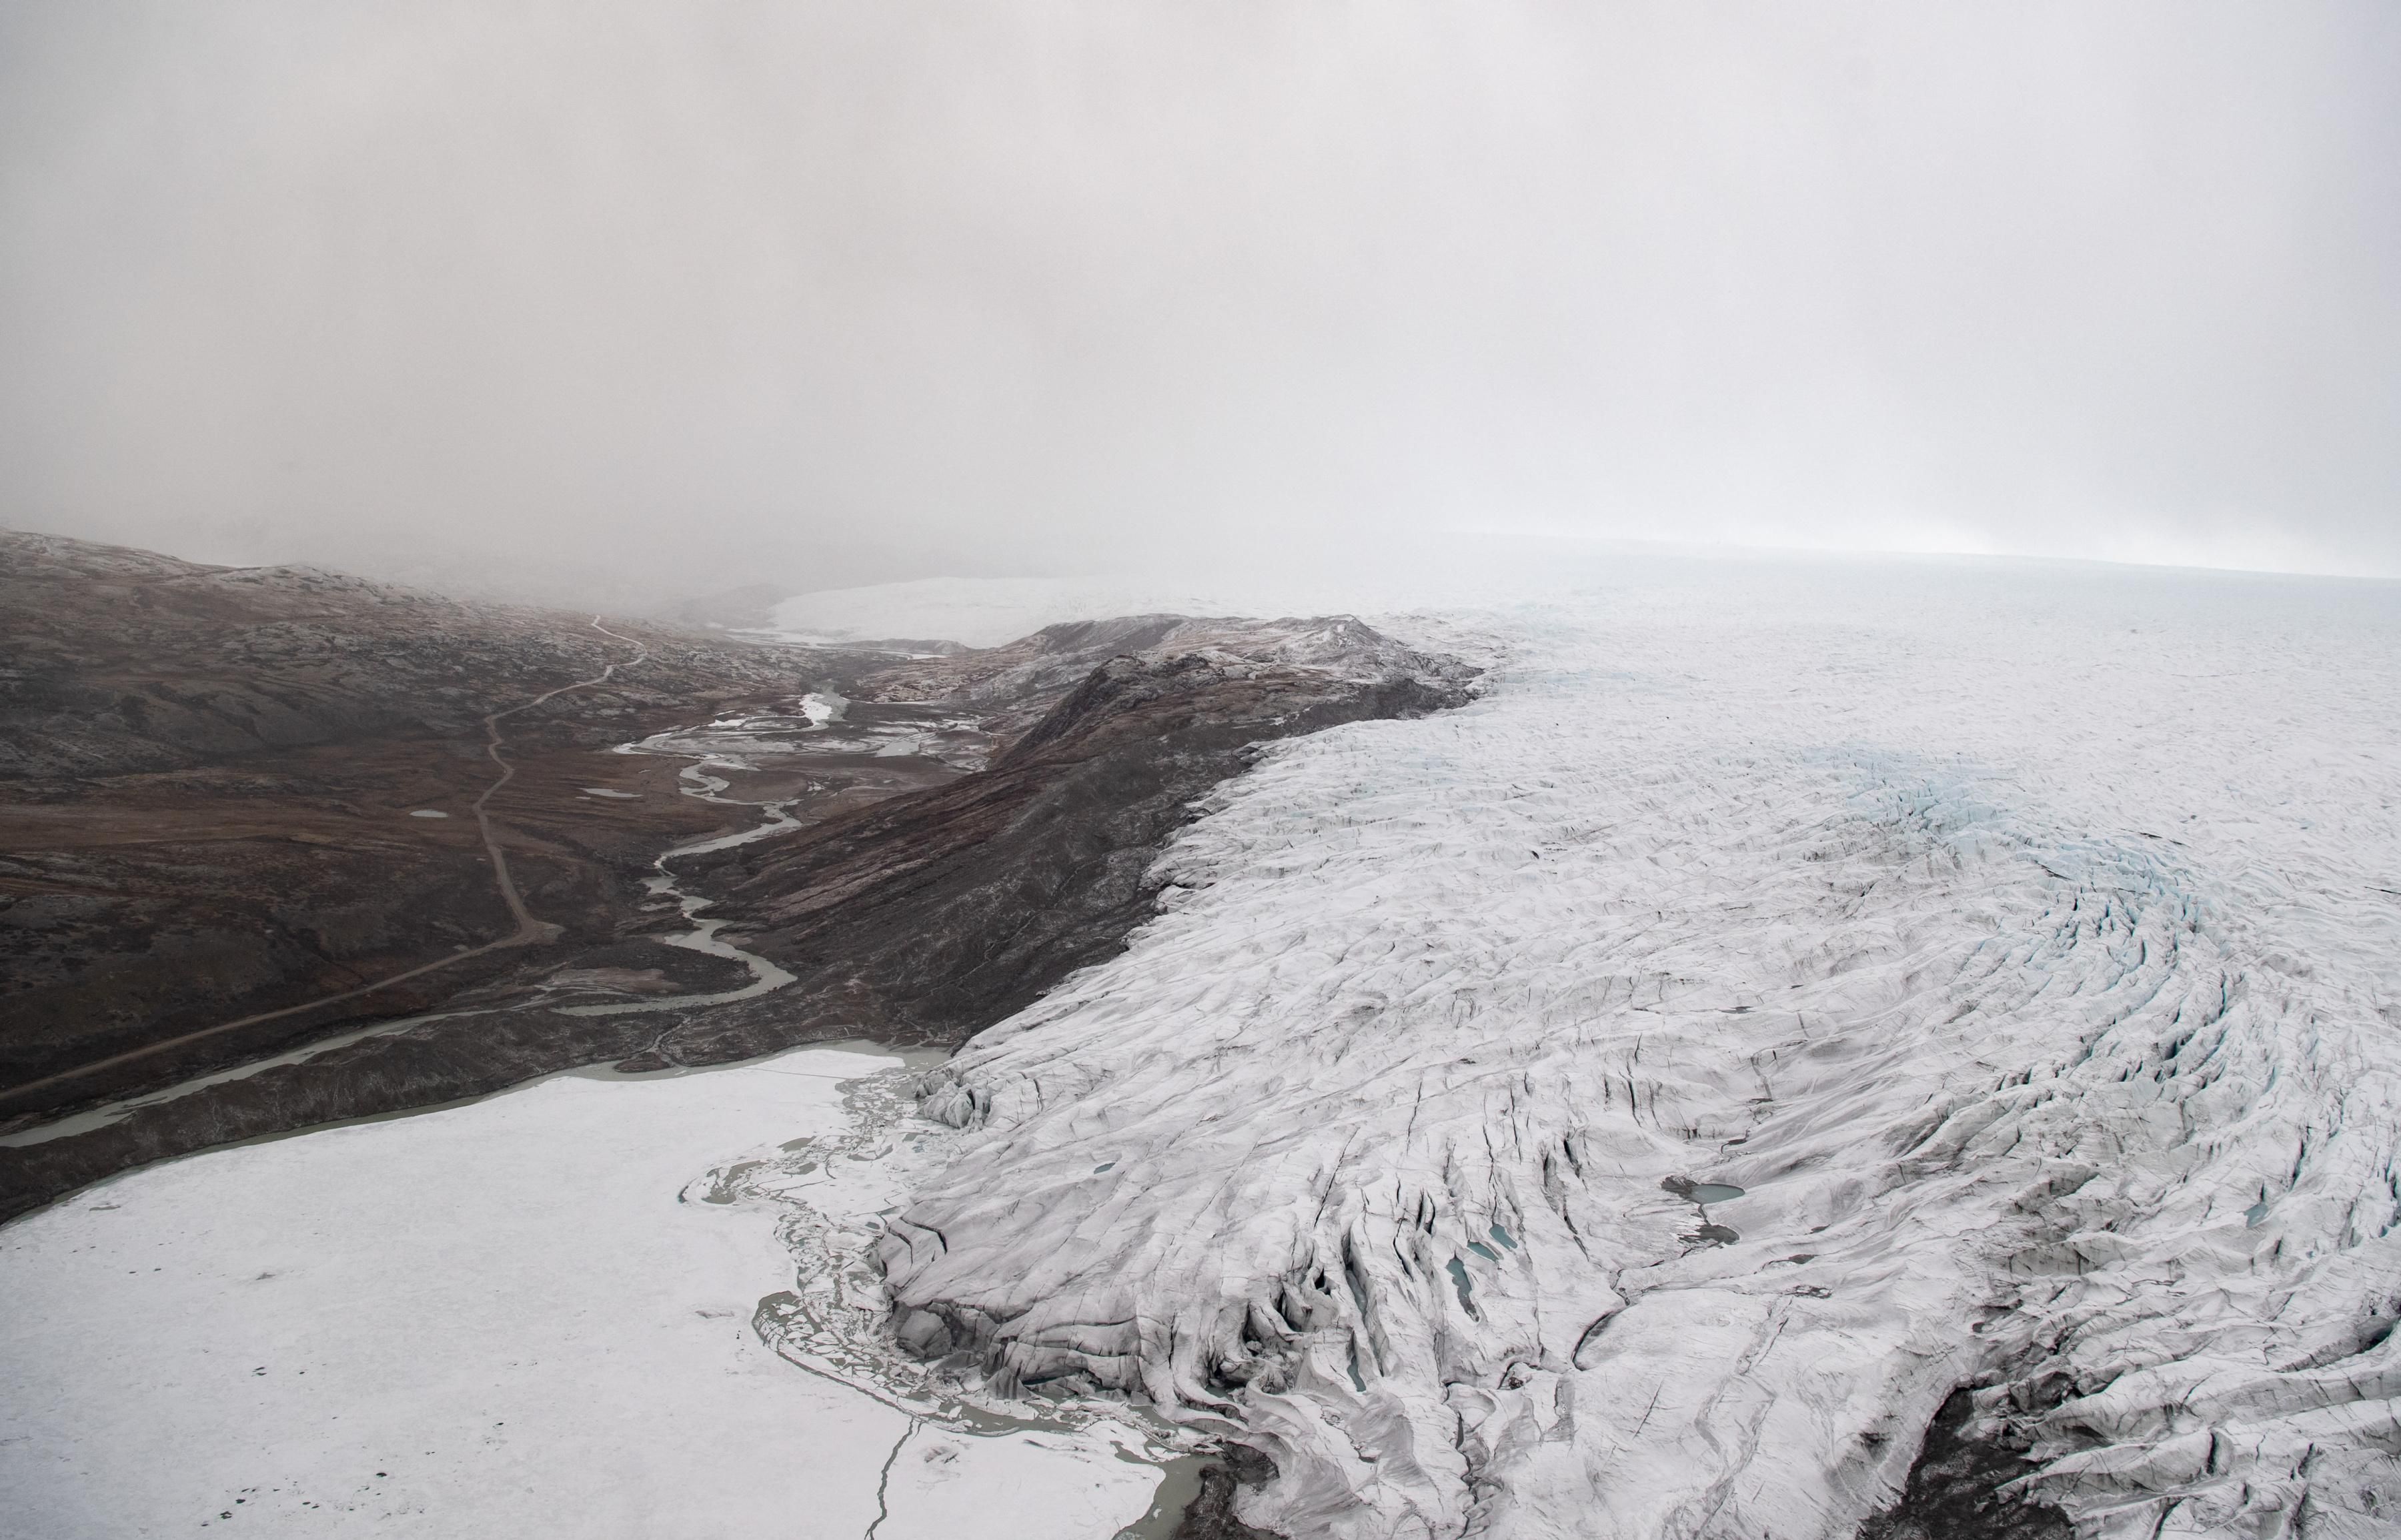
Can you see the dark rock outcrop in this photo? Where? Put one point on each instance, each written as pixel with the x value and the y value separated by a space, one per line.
pixel 919 918
pixel 925 918
pixel 1955 1489
pixel 1210 1515
pixel 121 662
pixel 218 789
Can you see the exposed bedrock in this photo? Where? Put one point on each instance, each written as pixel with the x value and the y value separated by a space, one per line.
pixel 1210 1515
pixel 123 661
pixel 236 793
pixel 924 920
pixel 1515 1125
pixel 1964 1486
pixel 919 919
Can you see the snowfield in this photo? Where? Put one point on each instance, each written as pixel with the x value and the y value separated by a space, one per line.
pixel 2021 943
pixel 528 1317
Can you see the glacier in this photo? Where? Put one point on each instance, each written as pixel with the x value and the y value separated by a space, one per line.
pixel 1631 1105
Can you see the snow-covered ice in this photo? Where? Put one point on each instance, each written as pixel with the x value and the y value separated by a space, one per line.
pixel 502 1318
pixel 2023 942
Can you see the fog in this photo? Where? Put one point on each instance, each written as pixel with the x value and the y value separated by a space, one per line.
pixel 642 300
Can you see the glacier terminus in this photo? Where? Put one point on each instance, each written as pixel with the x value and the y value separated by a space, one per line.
pixel 1634 1105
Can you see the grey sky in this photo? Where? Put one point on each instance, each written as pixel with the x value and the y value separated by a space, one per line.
pixel 650 297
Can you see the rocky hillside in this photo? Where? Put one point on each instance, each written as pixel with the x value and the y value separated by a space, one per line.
pixel 925 918
pixel 243 830
pixel 121 662
pixel 230 790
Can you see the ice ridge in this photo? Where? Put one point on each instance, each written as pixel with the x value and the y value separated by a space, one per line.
pixel 2018 1092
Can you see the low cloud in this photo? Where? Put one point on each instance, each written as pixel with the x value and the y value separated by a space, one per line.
pixel 633 300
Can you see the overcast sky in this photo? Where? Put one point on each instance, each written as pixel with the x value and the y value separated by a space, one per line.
pixel 677 295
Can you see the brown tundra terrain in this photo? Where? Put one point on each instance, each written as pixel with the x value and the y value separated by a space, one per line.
pixel 280 846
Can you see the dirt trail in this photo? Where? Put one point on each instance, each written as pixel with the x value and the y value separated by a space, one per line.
pixel 529 930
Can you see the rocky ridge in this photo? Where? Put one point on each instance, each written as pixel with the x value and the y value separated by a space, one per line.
pixel 918 894
pixel 924 920
pixel 230 792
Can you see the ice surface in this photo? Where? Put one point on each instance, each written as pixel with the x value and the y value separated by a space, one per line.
pixel 2008 937
pixel 495 1320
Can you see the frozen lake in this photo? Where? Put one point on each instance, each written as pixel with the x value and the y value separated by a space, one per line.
pixel 496 1319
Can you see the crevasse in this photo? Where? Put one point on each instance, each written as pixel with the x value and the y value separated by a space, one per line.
pixel 2041 1004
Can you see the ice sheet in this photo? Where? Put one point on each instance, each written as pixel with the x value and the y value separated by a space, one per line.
pixel 2023 942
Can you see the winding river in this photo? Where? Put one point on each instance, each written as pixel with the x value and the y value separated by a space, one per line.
pixel 697 781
